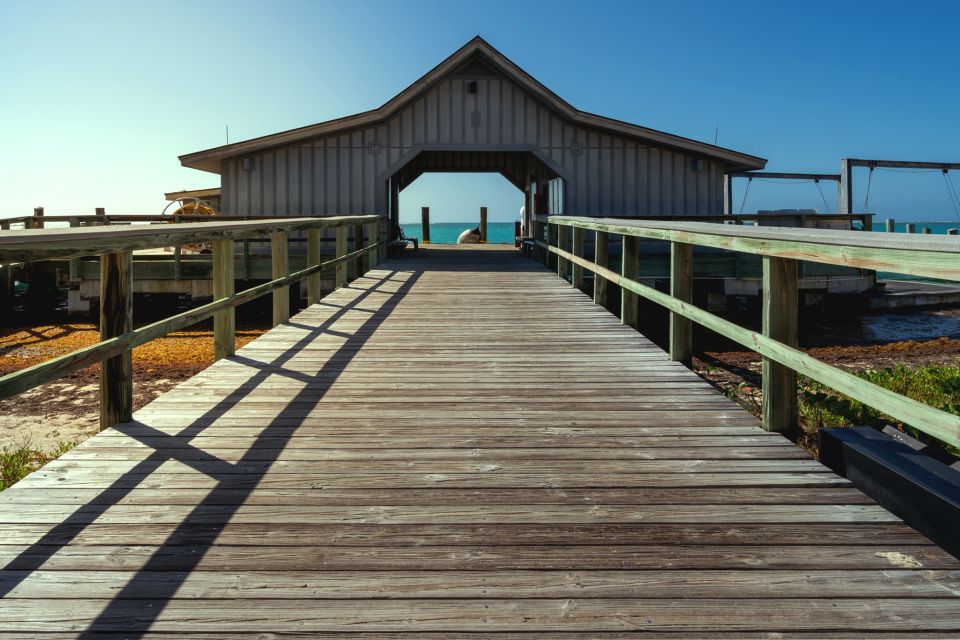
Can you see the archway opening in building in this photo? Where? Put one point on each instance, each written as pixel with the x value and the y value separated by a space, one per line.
pixel 456 183
pixel 454 201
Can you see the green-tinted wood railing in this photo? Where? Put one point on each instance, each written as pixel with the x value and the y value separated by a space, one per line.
pixel 114 246
pixel 781 249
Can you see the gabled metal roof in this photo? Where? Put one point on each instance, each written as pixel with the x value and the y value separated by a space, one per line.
pixel 209 159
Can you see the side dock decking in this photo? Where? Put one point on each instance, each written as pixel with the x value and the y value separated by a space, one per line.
pixel 458 442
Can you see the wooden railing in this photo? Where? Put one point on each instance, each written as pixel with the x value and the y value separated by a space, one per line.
pixel 865 220
pixel 781 250
pixel 115 245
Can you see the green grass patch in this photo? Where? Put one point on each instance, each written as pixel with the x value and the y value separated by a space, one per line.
pixel 937 386
pixel 17 463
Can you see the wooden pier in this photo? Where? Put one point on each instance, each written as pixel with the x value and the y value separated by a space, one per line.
pixel 456 443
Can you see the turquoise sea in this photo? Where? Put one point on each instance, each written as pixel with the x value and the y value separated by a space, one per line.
pixel 936 228
pixel 447 232
pixel 502 232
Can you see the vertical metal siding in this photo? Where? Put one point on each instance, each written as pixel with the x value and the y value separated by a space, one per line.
pixel 341 174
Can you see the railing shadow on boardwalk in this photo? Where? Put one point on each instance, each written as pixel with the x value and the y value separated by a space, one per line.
pixel 128 612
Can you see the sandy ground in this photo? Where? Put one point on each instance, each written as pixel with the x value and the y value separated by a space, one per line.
pixel 67 410
pixel 733 367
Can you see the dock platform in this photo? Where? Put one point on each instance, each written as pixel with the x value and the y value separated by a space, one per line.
pixel 458 444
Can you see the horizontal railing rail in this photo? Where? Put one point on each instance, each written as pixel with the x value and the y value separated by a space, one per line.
pixel 115 245
pixel 39 221
pixel 781 249
pixel 865 219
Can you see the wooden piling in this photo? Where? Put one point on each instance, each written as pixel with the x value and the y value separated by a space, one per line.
pixel 779 403
pixel 630 268
pixel 37 222
pixel 280 267
pixel 602 259
pixel 6 284
pixel 516 233
pixel 116 318
pixel 910 227
pixel 891 225
pixel 224 322
pixel 245 259
pixel 681 288
pixel 425 224
pixel 314 282
pixel 73 264
pixel 483 224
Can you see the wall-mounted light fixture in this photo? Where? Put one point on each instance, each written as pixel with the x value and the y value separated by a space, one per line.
pixel 697 164
pixel 248 163
pixel 472 86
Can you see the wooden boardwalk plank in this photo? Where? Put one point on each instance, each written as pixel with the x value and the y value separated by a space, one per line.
pixel 457 443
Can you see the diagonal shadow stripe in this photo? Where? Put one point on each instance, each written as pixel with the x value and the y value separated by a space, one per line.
pixel 115 616
pixel 33 557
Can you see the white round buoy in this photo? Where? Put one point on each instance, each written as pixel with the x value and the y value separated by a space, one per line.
pixel 470 236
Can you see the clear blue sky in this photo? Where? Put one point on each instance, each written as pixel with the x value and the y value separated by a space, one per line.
pixel 97 99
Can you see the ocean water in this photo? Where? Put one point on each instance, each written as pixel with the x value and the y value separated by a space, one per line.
pixel 936 228
pixel 447 232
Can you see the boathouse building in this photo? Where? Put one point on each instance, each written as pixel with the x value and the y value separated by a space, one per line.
pixel 476 111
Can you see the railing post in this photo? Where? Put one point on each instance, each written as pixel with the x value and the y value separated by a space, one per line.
pixel 370 259
pixel 358 269
pixel 601 259
pixel 630 268
pixel 891 225
pixel 224 322
pixel 483 224
pixel 314 281
pixel 549 258
pixel 779 323
pixel 280 267
pixel 341 250
pixel 563 266
pixel 576 271
pixel 382 240
pixel 910 227
pixel 681 288
pixel 116 318
pixel 543 235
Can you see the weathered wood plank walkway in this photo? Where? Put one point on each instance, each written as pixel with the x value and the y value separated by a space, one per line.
pixel 458 442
